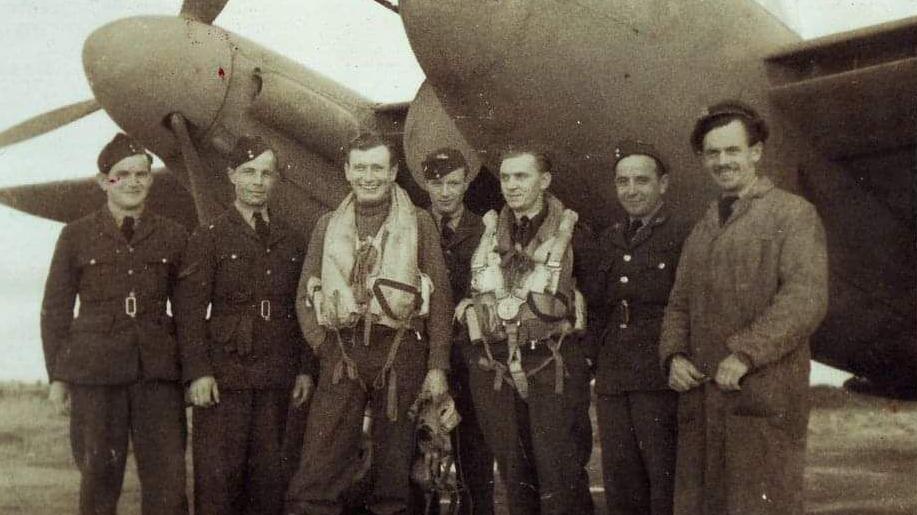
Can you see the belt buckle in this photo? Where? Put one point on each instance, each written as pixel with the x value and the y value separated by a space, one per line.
pixel 508 307
pixel 266 309
pixel 130 305
pixel 625 307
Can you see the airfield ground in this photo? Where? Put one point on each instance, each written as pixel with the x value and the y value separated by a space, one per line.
pixel 862 457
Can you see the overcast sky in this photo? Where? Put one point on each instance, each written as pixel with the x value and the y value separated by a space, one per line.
pixel 355 42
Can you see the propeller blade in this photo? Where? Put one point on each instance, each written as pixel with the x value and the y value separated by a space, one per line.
pixel 47 122
pixel 203 11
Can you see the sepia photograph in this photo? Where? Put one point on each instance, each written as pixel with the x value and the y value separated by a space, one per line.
pixel 510 257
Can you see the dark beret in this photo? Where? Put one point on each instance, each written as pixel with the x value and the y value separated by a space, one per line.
pixel 120 147
pixel 631 147
pixel 442 162
pixel 248 148
pixel 731 109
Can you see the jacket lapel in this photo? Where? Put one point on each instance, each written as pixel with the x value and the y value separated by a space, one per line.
pixel 241 225
pixel 467 228
pixel 645 232
pixel 146 226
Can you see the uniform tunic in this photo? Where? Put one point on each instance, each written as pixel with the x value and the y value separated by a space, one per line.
pixel 332 440
pixel 636 409
pixel 123 370
pixel 252 345
pixel 474 461
pixel 756 286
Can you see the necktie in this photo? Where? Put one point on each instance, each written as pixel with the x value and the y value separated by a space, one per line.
pixel 446 231
pixel 725 205
pixel 632 227
pixel 127 227
pixel 521 231
pixel 261 228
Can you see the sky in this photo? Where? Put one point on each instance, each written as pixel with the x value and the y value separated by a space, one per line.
pixel 355 42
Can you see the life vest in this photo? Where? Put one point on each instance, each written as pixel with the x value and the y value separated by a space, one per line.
pixel 524 296
pixel 377 278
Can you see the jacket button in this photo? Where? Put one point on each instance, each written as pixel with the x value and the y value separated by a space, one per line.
pixel 267 251
pixel 165 260
pixel 92 261
pixel 130 272
pixel 624 279
pixel 268 272
pixel 661 266
pixel 130 249
pixel 627 258
pixel 233 257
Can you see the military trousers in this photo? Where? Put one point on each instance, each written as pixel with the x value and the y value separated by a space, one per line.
pixel 332 452
pixel 239 465
pixel 638 431
pixel 148 414
pixel 537 441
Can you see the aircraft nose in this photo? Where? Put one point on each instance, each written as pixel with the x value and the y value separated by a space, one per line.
pixel 143 69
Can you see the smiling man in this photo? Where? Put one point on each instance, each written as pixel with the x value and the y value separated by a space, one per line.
pixel 751 287
pixel 636 408
pixel 247 362
pixel 116 364
pixel 529 378
pixel 374 303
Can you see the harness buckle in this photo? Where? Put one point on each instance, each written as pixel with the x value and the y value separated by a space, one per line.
pixel 625 307
pixel 266 309
pixel 130 305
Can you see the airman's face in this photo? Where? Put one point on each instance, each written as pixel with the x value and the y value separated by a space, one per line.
pixel 254 180
pixel 370 174
pixel 639 186
pixel 729 159
pixel 448 192
pixel 522 183
pixel 128 182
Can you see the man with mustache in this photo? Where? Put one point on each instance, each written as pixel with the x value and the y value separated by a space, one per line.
pixel 636 408
pixel 445 175
pixel 751 286
pixel 374 303
pixel 115 365
pixel 246 363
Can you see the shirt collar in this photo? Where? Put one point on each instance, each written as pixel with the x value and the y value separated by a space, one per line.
pixel 648 218
pixel 454 220
pixel 248 212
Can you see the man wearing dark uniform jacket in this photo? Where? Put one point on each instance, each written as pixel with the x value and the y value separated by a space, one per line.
pixel 374 303
pixel 445 175
pixel 636 408
pixel 116 364
pixel 248 361
pixel 530 376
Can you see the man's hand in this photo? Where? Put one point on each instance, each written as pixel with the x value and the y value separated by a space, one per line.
pixel 302 389
pixel 434 385
pixel 204 392
pixel 683 375
pixel 59 396
pixel 730 371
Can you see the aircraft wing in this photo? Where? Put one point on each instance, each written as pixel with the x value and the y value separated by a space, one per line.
pixel 853 96
pixel 65 201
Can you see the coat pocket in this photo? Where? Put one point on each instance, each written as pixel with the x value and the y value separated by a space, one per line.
pixel 223 328
pixel 93 324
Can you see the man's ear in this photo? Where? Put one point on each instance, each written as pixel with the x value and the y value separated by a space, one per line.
pixel 545 180
pixel 104 181
pixel 757 150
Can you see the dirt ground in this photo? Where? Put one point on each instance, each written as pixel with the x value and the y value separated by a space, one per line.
pixel 862 457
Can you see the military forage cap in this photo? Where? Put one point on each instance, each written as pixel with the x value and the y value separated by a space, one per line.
pixel 120 147
pixel 630 147
pixel 248 148
pixel 442 162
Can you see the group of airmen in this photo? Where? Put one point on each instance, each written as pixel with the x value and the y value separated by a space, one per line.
pixel 305 361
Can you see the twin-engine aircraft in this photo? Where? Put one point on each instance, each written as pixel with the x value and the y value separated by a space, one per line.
pixel 573 77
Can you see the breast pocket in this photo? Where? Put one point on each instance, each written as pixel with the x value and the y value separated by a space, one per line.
pixel 288 270
pixel 156 273
pixel 233 277
pixel 97 276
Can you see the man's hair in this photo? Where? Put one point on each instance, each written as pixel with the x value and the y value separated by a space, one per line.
pixel 542 160
pixel 660 166
pixel 724 113
pixel 368 140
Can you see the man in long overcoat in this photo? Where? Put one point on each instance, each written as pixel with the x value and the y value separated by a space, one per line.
pixel 751 286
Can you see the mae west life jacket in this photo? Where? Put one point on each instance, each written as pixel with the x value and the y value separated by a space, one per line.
pixel 376 279
pixel 531 288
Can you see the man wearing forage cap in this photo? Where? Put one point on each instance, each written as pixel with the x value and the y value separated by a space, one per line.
pixel 445 175
pixel 115 365
pixel 635 406
pixel 248 362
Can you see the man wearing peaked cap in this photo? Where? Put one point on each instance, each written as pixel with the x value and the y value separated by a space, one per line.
pixel 116 364
pixel 446 176
pixel 248 363
pixel 636 409
pixel 752 285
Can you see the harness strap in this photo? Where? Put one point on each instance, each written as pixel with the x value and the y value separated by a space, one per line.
pixel 558 360
pixel 489 363
pixel 514 361
pixel 344 365
pixel 390 376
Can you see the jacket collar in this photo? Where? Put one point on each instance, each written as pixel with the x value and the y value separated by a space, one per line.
pixel 146 225
pixel 554 209
pixel 469 226
pixel 761 187
pixel 278 231
pixel 617 235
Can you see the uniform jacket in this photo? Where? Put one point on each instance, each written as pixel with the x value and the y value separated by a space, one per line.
pixel 95 262
pixel 634 279
pixel 458 251
pixel 756 286
pixel 241 344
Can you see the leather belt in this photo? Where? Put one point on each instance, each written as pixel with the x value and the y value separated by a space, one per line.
pixel 130 306
pixel 626 312
pixel 264 308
